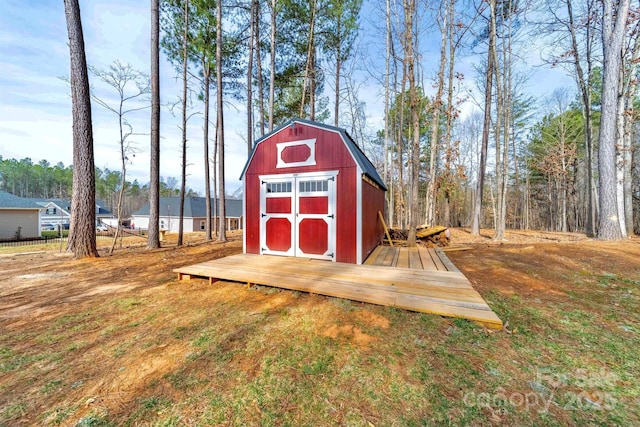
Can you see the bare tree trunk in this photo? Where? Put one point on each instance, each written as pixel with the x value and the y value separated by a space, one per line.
pixel 336 111
pixel 446 219
pixel 183 185
pixel 222 226
pixel 503 113
pixel 272 80
pixel 250 47
pixel 153 240
pixel 409 11
pixel 517 208
pixel 259 67
pixel 630 92
pixel 82 233
pixel 400 147
pixel 620 148
pixel 477 201
pixel 123 182
pixel 312 85
pixel 527 201
pixel 309 64
pixel 215 181
pixel 613 31
pixel 585 91
pixel 385 170
pixel 206 71
pixel 628 176
pixel 435 126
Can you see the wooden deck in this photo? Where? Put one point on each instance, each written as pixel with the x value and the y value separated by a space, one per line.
pixel 424 280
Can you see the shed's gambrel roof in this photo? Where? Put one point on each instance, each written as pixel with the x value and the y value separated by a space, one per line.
pixel 359 156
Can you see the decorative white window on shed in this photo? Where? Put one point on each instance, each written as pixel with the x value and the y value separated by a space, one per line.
pixel 279 187
pixel 314 186
pixel 203 224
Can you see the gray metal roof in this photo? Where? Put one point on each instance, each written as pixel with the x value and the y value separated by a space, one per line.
pixel 9 201
pixel 65 205
pixel 194 207
pixel 365 164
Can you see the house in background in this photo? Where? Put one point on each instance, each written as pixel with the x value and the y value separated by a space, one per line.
pixel 194 214
pixel 57 212
pixel 19 217
pixel 311 192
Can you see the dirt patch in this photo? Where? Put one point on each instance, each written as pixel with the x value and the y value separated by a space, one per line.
pixel 373 319
pixel 349 333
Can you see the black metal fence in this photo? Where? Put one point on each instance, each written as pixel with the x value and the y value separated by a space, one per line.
pixel 44 240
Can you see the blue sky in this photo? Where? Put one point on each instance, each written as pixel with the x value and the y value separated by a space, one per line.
pixel 35 108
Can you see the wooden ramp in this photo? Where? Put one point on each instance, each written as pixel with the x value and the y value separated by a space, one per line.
pixel 442 292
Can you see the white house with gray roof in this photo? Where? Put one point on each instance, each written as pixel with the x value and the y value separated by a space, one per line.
pixel 57 212
pixel 194 214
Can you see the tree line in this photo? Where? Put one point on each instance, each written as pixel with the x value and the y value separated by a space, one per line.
pixel 500 165
pixel 568 162
pixel 42 180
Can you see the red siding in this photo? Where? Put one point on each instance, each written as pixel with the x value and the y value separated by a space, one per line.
pixel 252 221
pixel 372 230
pixel 346 224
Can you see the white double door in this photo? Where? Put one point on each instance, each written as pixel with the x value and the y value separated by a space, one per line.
pixel 297 215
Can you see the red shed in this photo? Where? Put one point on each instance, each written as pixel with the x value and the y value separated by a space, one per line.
pixel 309 191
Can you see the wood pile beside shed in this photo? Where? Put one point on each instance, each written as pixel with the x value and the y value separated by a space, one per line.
pixel 431 237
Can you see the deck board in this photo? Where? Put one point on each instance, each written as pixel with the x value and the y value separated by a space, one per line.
pixel 403 258
pixel 373 255
pixel 446 293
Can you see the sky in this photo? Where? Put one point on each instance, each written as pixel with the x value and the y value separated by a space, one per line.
pixel 35 106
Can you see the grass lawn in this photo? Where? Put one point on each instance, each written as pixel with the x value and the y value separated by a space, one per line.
pixel 119 341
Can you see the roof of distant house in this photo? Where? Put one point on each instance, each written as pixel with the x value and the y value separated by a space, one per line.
pixel 65 205
pixel 10 201
pixel 194 207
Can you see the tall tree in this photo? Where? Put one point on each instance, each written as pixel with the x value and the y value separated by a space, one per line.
pixel 250 47
pixel 82 234
pixel 387 64
pixel 628 115
pixel 614 22
pixel 409 41
pixel 432 188
pixel 200 32
pixel 584 83
pixel 204 41
pixel 257 21
pixel 272 65
pixel 451 114
pixel 572 42
pixel 222 226
pixel 337 40
pixel 153 241
pixel 185 68
pixel 477 201
pixel 503 76
pixel 309 70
